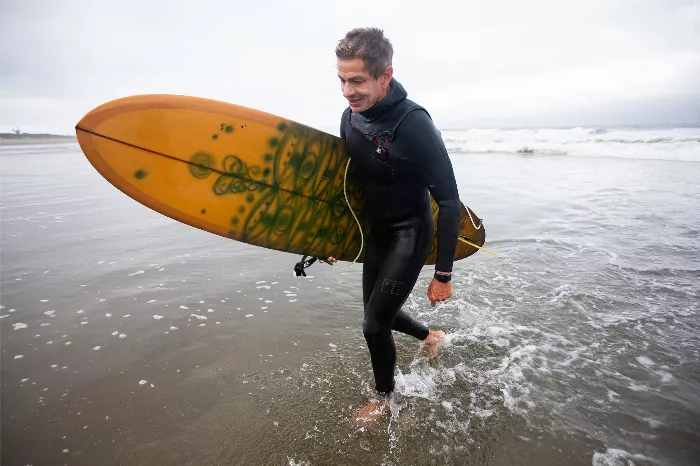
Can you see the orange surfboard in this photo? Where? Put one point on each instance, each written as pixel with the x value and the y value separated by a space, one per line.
pixel 237 172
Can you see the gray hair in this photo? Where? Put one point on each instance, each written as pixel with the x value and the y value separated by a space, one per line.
pixel 368 44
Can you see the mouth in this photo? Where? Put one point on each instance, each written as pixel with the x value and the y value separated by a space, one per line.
pixel 354 102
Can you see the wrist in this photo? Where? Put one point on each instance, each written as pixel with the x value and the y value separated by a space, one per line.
pixel 443 277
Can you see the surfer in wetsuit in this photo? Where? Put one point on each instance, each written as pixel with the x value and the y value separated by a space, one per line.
pixel 400 160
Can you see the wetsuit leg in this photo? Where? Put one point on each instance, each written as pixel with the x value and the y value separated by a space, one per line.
pixel 398 267
pixel 403 322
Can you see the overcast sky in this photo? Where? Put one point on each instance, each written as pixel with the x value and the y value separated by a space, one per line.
pixel 469 62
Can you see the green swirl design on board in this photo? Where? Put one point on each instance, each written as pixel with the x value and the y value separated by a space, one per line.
pixel 201 164
pixel 294 195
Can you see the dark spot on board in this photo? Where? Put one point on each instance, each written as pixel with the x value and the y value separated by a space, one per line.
pixel 234 221
pixel 249 198
pixel 204 211
pixel 140 174
pixel 274 142
pixel 241 126
pixel 266 171
pixel 241 209
pixel 215 136
pixel 268 157
pixel 282 126
pixel 229 129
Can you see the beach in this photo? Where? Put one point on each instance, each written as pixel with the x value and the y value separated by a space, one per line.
pixel 131 339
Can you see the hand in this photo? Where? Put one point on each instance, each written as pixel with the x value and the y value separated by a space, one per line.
pixel 331 260
pixel 439 292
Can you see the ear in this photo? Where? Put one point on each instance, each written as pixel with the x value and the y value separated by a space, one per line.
pixel 386 77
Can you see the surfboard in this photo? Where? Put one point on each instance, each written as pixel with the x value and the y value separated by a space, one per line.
pixel 239 173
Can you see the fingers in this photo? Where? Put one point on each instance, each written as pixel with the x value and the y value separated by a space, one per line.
pixel 438 293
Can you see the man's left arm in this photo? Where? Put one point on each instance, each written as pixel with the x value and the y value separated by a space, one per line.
pixel 426 152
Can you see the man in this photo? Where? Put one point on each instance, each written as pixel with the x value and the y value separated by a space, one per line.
pixel 400 160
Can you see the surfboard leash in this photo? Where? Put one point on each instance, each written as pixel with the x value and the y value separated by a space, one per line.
pixel 359 227
pixel 465 239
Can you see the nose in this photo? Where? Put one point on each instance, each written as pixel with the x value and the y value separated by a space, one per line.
pixel 348 89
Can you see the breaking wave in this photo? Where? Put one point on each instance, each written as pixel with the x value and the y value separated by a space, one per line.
pixel 668 143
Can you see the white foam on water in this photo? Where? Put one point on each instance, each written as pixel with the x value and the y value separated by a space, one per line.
pixel 645 361
pixel 96 348
pixel 19 356
pixel 108 315
pixel 265 287
pixel 49 313
pixel 184 307
pixel 264 307
pixel 151 301
pixel 210 310
pixel 249 315
pixel 293 462
pixel 143 382
pixel 198 316
pixel 81 312
pixel 44 300
pixel 617 457
pixel 125 316
pixel 172 327
pixel 139 272
pixel 19 326
pixel 293 300
pixel 157 317
pixel 201 302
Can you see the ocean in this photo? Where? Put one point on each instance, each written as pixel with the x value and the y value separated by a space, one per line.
pixel 129 338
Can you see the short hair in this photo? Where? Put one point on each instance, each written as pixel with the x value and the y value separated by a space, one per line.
pixel 370 45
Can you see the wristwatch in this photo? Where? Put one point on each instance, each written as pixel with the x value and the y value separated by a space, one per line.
pixel 442 278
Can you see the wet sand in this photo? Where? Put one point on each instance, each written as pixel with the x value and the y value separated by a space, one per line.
pixel 130 339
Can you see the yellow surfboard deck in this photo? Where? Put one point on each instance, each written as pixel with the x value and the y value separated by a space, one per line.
pixel 236 172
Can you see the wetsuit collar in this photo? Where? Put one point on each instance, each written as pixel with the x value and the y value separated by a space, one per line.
pixel 396 94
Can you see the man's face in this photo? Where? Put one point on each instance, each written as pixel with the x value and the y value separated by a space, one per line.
pixel 359 87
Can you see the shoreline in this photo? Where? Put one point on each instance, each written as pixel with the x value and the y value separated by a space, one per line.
pixel 29 141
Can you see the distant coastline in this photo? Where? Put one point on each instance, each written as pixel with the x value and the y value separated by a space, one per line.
pixel 10 139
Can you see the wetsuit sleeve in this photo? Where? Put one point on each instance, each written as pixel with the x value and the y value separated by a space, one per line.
pixel 423 148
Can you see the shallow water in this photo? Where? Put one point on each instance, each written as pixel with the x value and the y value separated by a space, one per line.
pixel 129 338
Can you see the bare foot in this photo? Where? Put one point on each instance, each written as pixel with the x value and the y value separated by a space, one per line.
pixel 370 412
pixel 435 339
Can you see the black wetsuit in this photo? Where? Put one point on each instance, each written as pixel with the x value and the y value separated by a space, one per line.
pixel 400 160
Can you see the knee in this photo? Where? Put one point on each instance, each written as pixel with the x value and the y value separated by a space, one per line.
pixel 372 329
